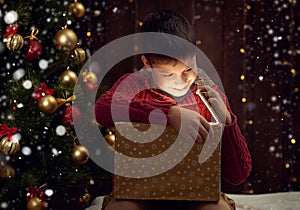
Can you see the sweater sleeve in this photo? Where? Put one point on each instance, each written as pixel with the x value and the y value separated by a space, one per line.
pixel 236 163
pixel 129 100
pixel 236 159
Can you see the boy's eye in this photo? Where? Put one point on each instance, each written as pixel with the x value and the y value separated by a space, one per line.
pixel 187 70
pixel 168 75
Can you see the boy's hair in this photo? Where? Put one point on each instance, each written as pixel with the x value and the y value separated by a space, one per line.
pixel 169 22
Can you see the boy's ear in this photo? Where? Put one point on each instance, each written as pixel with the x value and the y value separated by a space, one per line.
pixel 146 62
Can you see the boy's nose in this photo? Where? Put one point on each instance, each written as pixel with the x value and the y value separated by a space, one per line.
pixel 180 80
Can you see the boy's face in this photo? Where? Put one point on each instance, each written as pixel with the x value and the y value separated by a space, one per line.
pixel 175 79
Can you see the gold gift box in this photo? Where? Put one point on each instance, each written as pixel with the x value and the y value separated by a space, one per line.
pixel 149 167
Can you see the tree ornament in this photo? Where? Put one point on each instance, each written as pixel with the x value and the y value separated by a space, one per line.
pixel 35 48
pixel 7 172
pixel 89 88
pixel 71 116
pixel 36 203
pixel 110 138
pixel 9 147
pixel 80 154
pixel 86 197
pixel 65 39
pixel 89 77
pixel 11 17
pixel 14 42
pixel 11 30
pixel 48 104
pixel 78 9
pixel 79 55
pixel 42 91
pixel 68 77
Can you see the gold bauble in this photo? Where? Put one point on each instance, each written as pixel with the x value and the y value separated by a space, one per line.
pixel 7 172
pixel 90 77
pixel 14 42
pixel 78 9
pixel 47 104
pixel 86 197
pixel 80 155
pixel 79 55
pixel 9 147
pixel 110 139
pixel 36 204
pixel 65 39
pixel 68 78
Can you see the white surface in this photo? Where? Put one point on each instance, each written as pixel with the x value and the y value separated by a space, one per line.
pixel 270 201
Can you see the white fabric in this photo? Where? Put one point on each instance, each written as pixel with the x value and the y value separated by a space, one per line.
pixel 269 201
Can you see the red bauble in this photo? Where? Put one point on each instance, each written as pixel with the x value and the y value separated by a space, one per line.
pixel 89 87
pixel 71 116
pixel 35 50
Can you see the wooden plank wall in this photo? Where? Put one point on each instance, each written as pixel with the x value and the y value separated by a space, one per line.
pixel 221 33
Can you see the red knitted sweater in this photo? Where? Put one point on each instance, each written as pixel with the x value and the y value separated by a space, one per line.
pixel 136 90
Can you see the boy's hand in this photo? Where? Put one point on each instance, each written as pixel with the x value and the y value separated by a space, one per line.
pixel 195 127
pixel 216 101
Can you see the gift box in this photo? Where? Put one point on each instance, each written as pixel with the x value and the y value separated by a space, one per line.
pixel 163 165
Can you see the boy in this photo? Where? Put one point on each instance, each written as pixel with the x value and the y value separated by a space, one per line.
pixel 168 84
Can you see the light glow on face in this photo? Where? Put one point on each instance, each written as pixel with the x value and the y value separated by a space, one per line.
pixel 174 79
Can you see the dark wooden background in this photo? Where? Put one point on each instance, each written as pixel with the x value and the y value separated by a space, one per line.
pixel 222 29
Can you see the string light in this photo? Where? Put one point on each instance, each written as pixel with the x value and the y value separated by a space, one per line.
pixel 198 42
pixel 287 165
pixel 244 99
pixel 242 77
pixel 250 122
pixel 293 71
pixel 242 50
pixel 293 141
pixel 88 34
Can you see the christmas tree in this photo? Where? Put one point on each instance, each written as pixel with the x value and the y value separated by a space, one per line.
pixel 43 47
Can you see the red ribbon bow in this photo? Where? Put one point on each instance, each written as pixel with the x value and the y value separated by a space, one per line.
pixel 11 30
pixel 7 131
pixel 33 192
pixel 38 93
